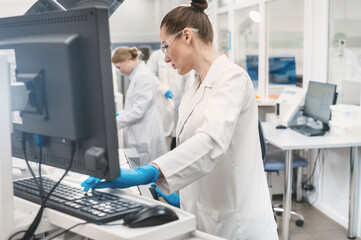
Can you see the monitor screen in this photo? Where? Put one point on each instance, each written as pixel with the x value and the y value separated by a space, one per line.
pixel 319 98
pixel 64 60
pixel 282 70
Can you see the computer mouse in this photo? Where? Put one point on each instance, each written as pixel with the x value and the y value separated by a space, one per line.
pixel 150 216
pixel 280 127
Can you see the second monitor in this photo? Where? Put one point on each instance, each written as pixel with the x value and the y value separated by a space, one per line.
pixel 319 98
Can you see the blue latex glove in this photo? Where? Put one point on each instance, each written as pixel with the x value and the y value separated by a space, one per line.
pixel 169 94
pixel 172 199
pixel 117 114
pixel 128 178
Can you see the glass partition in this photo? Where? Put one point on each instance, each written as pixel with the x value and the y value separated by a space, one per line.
pixel 285 20
pixel 223 34
pixel 223 3
pixel 345 50
pixel 246 40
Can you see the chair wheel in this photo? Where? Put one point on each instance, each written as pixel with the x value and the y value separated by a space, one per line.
pixel 279 213
pixel 299 223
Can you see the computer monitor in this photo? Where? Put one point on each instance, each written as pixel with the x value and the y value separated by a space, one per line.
pixel 64 60
pixel 145 50
pixel 282 70
pixel 319 98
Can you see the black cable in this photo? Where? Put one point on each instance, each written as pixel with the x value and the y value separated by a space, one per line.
pixel 17 233
pixel 32 228
pixel 41 192
pixel 318 180
pixel 67 230
pixel 313 170
pixel 23 146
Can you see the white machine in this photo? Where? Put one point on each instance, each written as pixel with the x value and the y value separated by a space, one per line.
pixel 288 104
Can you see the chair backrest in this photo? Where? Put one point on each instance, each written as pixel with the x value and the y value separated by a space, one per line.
pixel 262 140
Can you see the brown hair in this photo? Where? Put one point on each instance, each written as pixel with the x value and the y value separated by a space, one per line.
pixel 122 54
pixel 190 16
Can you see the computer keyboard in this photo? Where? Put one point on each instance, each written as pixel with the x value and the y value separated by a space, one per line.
pixel 95 206
pixel 307 130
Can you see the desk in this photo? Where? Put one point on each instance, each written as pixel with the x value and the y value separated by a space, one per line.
pixel 289 140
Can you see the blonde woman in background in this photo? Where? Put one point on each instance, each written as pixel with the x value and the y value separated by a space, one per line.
pixel 140 119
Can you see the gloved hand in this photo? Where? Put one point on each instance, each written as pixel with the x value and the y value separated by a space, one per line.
pixel 117 114
pixel 172 199
pixel 169 94
pixel 128 178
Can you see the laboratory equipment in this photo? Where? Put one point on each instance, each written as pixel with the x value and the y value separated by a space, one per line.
pixel 288 105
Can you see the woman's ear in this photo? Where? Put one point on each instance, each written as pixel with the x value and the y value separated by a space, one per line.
pixel 188 35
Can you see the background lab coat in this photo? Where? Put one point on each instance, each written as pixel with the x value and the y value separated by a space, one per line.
pixel 168 78
pixel 140 118
pixel 218 166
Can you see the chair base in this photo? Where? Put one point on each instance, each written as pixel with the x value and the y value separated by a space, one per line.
pixel 299 221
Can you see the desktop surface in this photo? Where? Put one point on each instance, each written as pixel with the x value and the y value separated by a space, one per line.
pixel 290 139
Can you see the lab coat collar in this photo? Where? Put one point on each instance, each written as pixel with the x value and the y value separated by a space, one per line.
pixel 135 69
pixel 197 97
pixel 209 79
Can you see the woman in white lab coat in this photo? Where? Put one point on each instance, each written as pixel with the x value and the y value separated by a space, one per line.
pixel 217 166
pixel 140 119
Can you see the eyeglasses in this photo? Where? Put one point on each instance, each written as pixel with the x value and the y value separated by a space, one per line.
pixel 165 45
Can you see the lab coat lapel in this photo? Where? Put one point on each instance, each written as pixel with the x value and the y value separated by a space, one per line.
pixel 197 97
pixel 194 101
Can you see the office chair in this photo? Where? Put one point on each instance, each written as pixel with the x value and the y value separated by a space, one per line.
pixel 275 161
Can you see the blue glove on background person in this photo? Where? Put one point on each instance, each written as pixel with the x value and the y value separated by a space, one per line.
pixel 128 178
pixel 172 199
pixel 169 94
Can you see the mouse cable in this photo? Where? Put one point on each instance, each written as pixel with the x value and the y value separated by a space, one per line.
pixel 34 225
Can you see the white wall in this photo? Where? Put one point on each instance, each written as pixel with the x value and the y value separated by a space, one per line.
pixel 9 8
pixel 134 21
pixel 139 20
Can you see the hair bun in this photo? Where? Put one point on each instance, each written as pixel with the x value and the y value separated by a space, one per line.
pixel 134 52
pixel 199 5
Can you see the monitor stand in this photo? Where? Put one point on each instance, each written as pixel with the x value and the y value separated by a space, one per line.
pixel 325 127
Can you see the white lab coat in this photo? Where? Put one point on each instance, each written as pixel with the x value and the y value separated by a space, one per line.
pixel 218 165
pixel 168 79
pixel 140 118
